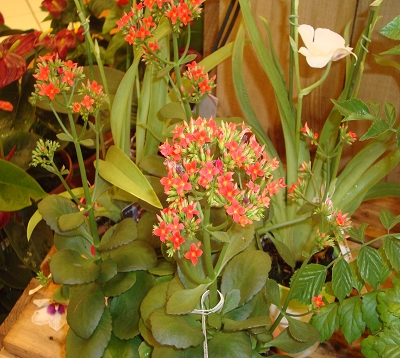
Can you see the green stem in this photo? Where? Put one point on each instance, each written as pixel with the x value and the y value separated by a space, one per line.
pixel 207 243
pixel 191 274
pixel 177 71
pixel 299 219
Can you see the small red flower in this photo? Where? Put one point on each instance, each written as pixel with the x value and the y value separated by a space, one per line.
pixel 194 253
pixel 177 240
pixel 318 301
pixel 6 106
pixel 48 90
pixel 87 102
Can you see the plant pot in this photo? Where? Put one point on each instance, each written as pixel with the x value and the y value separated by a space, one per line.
pixel 295 308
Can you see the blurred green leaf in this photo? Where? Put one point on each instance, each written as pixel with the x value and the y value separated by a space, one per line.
pixel 350 318
pixel 17 188
pixel 392 29
pixel 341 279
pixel 326 320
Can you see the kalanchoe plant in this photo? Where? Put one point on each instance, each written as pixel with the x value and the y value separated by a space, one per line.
pixel 102 281
pixel 219 183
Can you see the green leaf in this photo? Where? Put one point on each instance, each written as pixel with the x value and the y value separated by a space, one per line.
pixel 393 51
pixel 94 346
pixel 228 345
pixel 232 301
pixel 341 279
pixel 273 293
pixel 388 220
pixel 358 233
pixel 108 269
pixel 17 188
pixel 392 29
pixel 326 320
pixel 71 221
pixel 240 239
pixel 299 330
pixel 119 283
pixel 390 113
pixel 173 110
pixel 64 137
pixel 371 266
pixel 308 284
pixel 252 322
pixel 54 206
pixel 392 248
pixel 383 61
pixel 154 165
pixel 123 348
pixel 85 309
pixel 69 267
pixel 287 343
pixel 247 272
pixel 185 301
pixel 356 278
pixel 370 312
pixel 119 234
pixel 125 308
pixel 350 318
pixel 378 127
pixel 137 255
pixel 155 298
pixel 352 106
pixel 120 116
pixel 120 171
pixel 183 331
pixel 383 189
pixel 220 235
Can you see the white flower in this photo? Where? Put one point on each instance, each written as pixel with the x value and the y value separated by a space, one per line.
pixel 50 312
pixel 322 45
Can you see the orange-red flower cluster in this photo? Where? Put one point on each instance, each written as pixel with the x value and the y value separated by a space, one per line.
pixel 223 165
pixel 201 84
pixel 55 76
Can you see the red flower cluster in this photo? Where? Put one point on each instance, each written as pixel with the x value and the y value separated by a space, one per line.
pixel 139 27
pixel 55 76
pixel 224 165
pixel 200 83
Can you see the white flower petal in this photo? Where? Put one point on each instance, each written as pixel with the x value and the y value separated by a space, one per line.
pixel 328 41
pixel 318 61
pixel 42 302
pixel 41 317
pixel 58 321
pixel 322 45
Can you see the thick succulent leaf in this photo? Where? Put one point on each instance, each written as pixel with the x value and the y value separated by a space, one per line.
pixel 183 331
pixel 94 346
pixel 138 255
pixel 17 187
pixel 286 342
pixel 119 284
pixel 122 348
pixel 69 267
pixel 247 272
pixel 85 309
pixel 119 234
pixel 230 344
pixel 125 308
pixel 186 300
